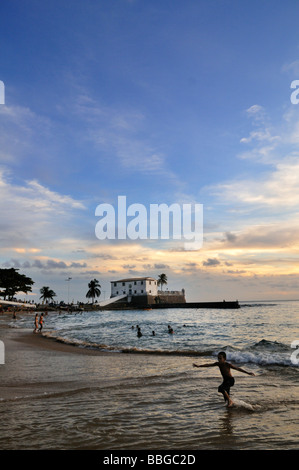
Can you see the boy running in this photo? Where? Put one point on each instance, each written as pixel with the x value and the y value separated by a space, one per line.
pixel 228 380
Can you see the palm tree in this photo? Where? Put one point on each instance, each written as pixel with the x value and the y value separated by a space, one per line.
pixel 47 293
pixel 162 279
pixel 94 290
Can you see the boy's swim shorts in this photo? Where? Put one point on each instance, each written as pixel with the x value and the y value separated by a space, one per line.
pixel 226 385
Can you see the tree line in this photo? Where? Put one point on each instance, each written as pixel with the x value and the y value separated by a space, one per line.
pixel 12 282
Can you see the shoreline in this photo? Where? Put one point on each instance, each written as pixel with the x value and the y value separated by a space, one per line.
pixel 40 341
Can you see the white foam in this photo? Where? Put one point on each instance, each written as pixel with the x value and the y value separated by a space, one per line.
pixel 260 358
pixel 243 404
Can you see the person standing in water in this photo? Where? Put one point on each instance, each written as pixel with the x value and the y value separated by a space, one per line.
pixel 36 324
pixel 41 322
pixel 228 380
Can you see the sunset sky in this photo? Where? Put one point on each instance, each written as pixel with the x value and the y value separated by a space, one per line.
pixel 163 101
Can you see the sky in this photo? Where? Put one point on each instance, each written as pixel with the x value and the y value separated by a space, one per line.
pixel 164 102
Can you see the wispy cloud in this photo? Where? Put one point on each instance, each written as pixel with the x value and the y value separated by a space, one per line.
pixel 119 133
pixel 21 132
pixel 50 200
pixel 276 189
pixel 33 213
pixel 263 139
pixel 291 67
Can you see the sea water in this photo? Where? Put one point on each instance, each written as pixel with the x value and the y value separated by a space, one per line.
pixel 143 393
pixel 259 333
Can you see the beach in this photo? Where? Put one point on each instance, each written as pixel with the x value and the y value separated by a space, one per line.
pixel 55 395
pixel 58 396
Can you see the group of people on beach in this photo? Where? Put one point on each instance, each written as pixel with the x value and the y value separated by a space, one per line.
pixel 38 323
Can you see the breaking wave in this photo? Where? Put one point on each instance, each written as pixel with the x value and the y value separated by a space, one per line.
pixel 262 353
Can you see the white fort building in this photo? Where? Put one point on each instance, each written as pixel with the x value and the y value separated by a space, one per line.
pixel 134 286
pixel 144 291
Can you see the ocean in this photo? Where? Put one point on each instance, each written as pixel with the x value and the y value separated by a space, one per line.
pixel 143 392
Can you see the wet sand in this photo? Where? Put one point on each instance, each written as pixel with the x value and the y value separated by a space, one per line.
pixel 38 340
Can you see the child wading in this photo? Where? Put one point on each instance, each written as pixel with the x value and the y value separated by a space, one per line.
pixel 228 380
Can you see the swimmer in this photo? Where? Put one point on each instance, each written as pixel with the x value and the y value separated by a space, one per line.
pixel 139 334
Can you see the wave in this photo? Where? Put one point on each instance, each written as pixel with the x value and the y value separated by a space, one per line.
pixel 262 353
pixel 25 395
pixel 268 345
pixel 124 349
pixel 257 305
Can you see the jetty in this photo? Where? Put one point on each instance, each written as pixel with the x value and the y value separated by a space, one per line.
pixel 124 304
pixel 223 304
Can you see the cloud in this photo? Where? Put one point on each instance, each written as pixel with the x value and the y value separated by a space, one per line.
pixel 156 266
pixel 41 264
pixel 267 236
pixel 119 131
pixel 291 67
pixel 190 267
pixel 211 262
pixel 261 135
pixel 77 265
pixel 263 138
pixel 256 111
pixel 273 189
pixel 22 117
pixel 23 134
pixel 161 266
pixel 230 237
pixel 104 256
pixel 240 271
pixel 33 213
pixel 52 200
